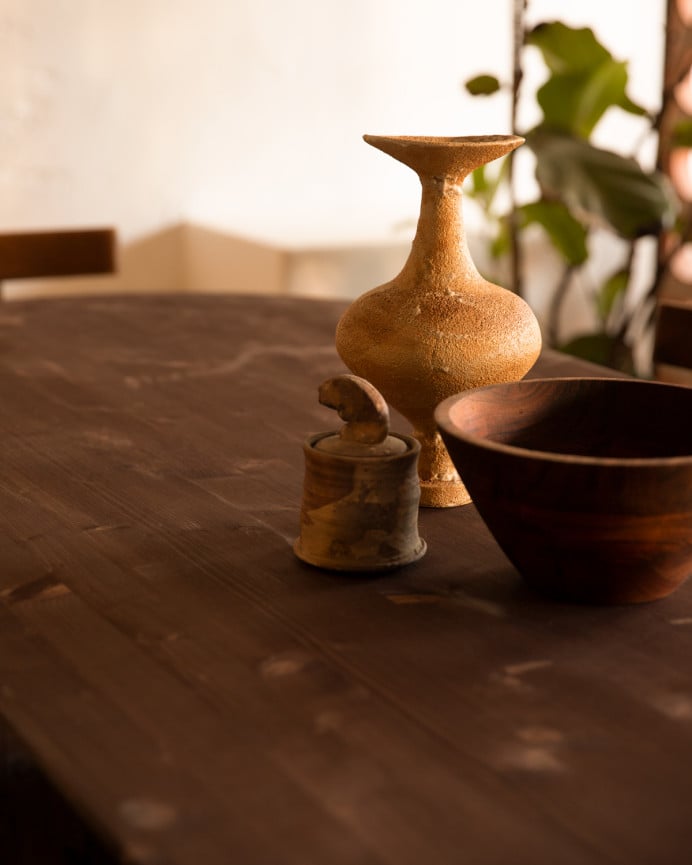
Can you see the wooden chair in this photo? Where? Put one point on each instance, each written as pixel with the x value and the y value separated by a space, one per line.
pixel 74 252
pixel 673 342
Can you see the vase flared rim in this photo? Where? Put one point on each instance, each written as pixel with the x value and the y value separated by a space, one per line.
pixel 445 156
pixel 450 140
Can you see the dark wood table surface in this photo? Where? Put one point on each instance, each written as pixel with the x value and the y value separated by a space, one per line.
pixel 194 694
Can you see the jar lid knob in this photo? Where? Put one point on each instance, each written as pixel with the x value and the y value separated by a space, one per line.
pixel 362 406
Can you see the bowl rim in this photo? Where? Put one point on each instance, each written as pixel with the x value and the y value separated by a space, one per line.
pixel 443 420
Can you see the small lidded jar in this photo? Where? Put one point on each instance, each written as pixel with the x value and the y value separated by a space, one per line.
pixel 361 491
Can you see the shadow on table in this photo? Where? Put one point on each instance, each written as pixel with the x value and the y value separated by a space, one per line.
pixel 37 827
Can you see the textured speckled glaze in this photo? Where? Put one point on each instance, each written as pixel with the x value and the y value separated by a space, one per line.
pixel 439 327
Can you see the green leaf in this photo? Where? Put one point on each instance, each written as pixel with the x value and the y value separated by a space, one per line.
pixel 482 85
pixel 585 82
pixel 603 349
pixel 567 234
pixel 576 102
pixel 502 242
pixel 632 108
pixel 607 188
pixel 567 50
pixel 479 181
pixel 612 289
pixel 682 134
pixel 484 183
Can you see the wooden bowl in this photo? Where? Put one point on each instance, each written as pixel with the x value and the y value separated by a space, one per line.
pixel 586 483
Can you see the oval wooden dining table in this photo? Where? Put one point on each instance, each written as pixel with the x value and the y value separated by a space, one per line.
pixel 176 687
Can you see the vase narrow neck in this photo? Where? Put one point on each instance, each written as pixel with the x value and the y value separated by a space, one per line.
pixel 440 250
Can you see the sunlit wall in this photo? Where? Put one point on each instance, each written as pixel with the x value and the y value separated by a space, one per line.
pixel 247 116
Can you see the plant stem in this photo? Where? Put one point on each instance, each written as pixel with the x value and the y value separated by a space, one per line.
pixel 516 274
pixel 553 325
pixel 611 323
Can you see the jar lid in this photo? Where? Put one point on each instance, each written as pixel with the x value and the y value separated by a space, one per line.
pixel 366 431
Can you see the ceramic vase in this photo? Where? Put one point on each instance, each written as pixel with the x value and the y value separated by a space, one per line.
pixel 439 327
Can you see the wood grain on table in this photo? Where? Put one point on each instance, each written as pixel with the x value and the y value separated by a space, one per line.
pixel 198 695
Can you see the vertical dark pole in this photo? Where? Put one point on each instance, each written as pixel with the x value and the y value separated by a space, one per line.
pixel 677 61
pixel 516 275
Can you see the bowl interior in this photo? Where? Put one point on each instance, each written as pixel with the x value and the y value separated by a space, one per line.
pixel 598 418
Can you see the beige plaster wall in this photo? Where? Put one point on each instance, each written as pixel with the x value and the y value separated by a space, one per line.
pixel 223 139
pixel 181 258
pixel 245 116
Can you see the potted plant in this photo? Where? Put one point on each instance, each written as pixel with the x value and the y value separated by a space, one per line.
pixel 582 188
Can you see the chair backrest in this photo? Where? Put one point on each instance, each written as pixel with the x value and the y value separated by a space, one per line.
pixel 673 342
pixel 35 254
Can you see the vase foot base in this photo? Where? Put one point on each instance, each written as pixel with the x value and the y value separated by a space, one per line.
pixel 443 494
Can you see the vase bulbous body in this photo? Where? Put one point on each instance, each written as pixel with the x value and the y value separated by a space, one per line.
pixel 439 327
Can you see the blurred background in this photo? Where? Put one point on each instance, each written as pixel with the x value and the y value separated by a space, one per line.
pixel 223 140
